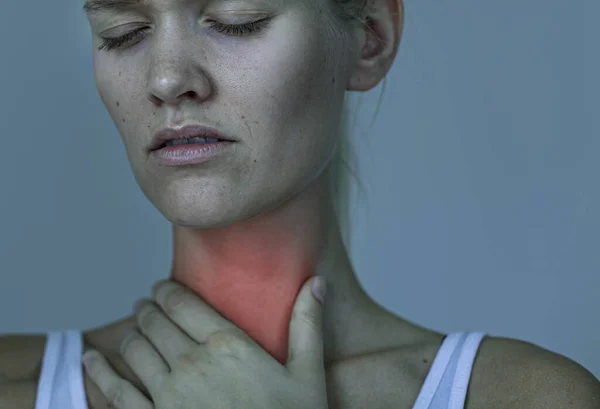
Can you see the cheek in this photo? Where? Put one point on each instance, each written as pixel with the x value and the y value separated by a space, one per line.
pixel 293 84
pixel 102 76
pixel 117 95
pixel 113 87
pixel 308 102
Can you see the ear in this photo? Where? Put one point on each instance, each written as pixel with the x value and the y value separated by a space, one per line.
pixel 379 39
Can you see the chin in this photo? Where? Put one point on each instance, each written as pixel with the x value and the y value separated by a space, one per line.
pixel 199 214
pixel 190 203
pixel 194 203
pixel 200 222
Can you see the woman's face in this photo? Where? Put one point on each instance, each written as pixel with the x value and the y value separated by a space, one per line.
pixel 278 91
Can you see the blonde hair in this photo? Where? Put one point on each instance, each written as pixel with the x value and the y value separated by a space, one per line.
pixel 343 169
pixel 344 172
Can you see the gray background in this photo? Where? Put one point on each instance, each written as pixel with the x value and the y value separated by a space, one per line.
pixel 482 203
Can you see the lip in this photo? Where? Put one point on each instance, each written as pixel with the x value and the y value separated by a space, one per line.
pixel 184 132
pixel 193 154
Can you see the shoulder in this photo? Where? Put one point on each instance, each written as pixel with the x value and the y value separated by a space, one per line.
pixel 20 365
pixel 21 357
pixel 509 373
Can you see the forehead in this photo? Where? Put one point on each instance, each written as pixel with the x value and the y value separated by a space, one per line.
pixel 101 5
pixel 91 6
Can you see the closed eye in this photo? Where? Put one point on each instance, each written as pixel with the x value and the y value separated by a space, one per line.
pixel 133 37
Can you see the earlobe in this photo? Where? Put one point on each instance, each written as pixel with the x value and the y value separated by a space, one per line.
pixel 382 33
pixel 362 82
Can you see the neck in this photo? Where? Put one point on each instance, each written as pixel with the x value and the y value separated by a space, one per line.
pixel 252 271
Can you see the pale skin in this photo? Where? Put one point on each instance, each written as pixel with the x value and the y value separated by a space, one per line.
pixel 250 228
pixel 188 356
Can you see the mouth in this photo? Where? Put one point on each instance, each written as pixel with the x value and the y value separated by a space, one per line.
pixel 188 135
pixel 190 141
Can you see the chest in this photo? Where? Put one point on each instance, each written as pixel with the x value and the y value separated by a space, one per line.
pixel 387 382
pixel 383 380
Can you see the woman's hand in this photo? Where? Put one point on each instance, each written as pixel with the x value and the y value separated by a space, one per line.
pixel 190 357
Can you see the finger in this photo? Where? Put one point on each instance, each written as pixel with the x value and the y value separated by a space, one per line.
pixel 189 311
pixel 305 349
pixel 144 361
pixel 120 393
pixel 166 337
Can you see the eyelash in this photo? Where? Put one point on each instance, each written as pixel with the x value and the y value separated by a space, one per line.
pixel 229 29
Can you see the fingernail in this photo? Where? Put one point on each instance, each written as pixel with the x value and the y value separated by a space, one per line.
pixel 88 357
pixel 129 335
pixel 319 288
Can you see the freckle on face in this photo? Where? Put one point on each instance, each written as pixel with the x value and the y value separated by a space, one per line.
pixel 284 93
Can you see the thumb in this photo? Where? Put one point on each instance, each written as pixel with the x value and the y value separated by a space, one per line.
pixel 305 348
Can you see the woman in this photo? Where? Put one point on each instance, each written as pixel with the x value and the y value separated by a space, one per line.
pixel 257 210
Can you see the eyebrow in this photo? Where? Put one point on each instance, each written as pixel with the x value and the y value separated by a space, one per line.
pixel 92 6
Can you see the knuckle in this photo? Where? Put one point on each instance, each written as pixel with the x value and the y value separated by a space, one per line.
pixel 190 363
pixel 231 341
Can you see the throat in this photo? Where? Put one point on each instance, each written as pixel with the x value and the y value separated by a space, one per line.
pixel 251 272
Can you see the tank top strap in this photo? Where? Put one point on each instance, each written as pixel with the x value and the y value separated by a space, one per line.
pixel 448 379
pixel 61 384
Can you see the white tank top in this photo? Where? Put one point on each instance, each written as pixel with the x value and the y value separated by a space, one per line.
pixel 61 380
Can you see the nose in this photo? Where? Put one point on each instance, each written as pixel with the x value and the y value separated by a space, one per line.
pixel 174 76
